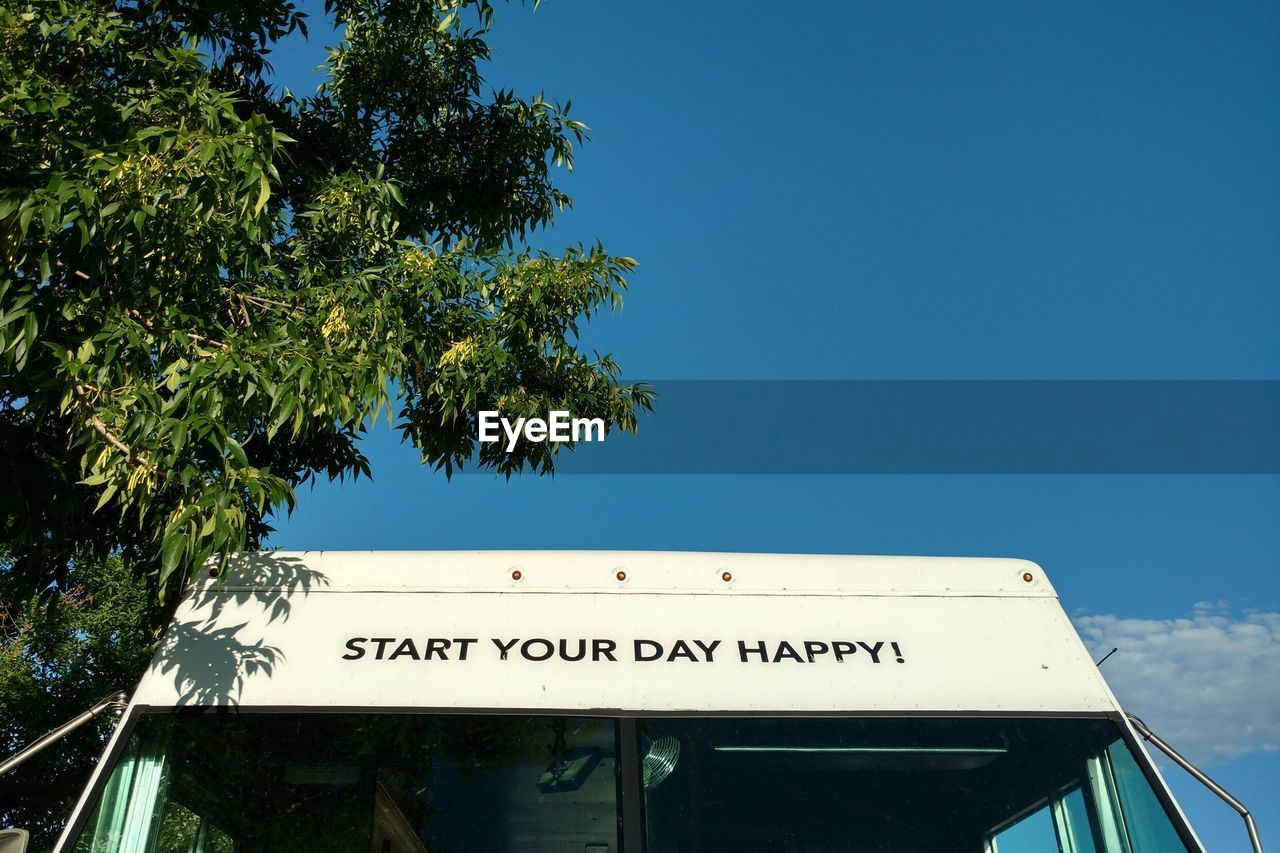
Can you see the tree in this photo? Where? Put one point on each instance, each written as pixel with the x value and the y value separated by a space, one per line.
pixel 212 285
pixel 58 656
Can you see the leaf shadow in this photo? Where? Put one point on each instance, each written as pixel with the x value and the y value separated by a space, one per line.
pixel 208 659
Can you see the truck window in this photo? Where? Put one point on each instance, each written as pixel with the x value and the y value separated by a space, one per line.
pixel 410 783
pixel 1063 824
pixel 716 785
pixel 235 783
pixel 1031 834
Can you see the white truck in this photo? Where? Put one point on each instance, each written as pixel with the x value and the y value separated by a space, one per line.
pixel 404 702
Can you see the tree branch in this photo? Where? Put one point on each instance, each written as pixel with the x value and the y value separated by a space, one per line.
pixel 262 301
pixel 199 339
pixel 101 428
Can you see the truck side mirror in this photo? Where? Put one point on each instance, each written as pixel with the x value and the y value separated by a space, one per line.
pixel 14 840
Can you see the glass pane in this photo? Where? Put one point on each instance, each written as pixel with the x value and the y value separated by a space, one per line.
pixel 1075 832
pixel 116 824
pixel 868 785
pixel 180 828
pixel 251 783
pixel 1145 820
pixel 1032 834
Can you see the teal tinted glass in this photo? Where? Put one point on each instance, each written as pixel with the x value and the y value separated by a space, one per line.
pixel 1032 834
pixel 1075 825
pixel 1144 816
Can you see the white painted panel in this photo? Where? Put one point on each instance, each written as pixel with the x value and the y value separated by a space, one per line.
pixel 1008 649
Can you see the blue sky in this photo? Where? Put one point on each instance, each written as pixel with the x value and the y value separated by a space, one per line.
pixel 910 190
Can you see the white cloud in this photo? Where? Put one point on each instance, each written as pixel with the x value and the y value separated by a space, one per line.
pixel 1208 684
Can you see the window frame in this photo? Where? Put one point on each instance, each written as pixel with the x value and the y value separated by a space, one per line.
pixel 1059 818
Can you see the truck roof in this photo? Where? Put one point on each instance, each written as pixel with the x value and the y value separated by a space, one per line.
pixel 625 631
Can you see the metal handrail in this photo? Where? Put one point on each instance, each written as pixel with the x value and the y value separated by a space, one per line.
pixel 116 703
pixel 1200 777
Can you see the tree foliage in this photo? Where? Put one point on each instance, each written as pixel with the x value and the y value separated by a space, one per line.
pixel 211 285
pixel 58 656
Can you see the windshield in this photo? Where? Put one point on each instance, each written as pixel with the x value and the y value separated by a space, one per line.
pixel 937 785
pixel 387 783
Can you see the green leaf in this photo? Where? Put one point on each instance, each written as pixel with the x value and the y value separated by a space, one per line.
pixel 237 452
pixel 283 412
pixel 178 435
pixel 264 193
pixel 107 494
pixel 171 552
